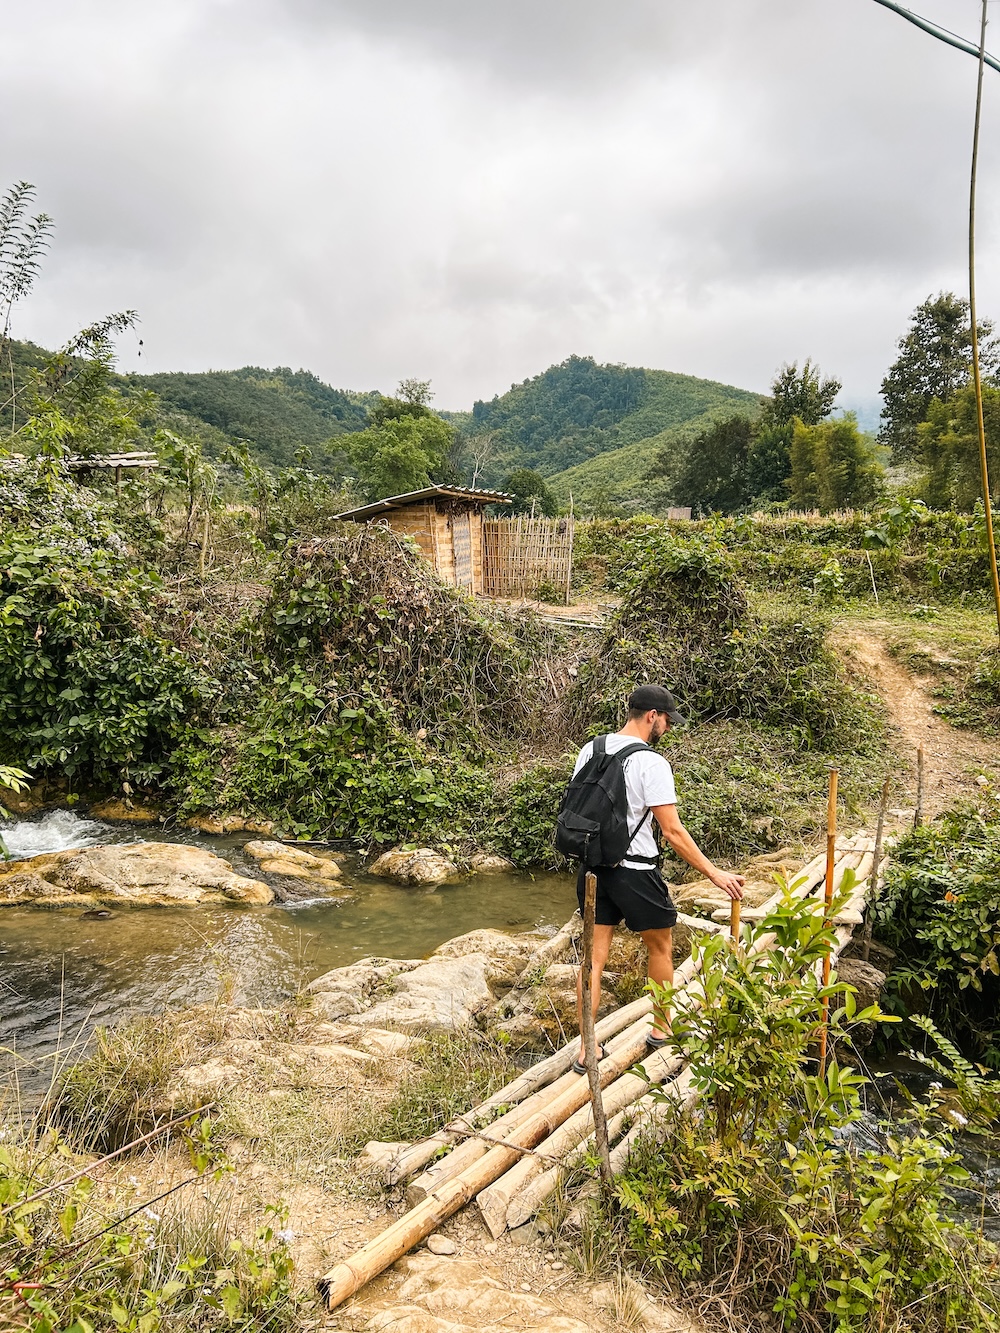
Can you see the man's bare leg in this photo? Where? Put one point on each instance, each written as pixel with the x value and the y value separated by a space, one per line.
pixel 602 945
pixel 660 944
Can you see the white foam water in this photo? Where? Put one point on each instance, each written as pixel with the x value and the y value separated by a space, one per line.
pixel 55 832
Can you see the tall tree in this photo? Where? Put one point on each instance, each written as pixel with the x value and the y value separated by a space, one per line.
pixel 935 361
pixel 833 466
pixel 530 493
pixel 22 243
pixel 713 477
pixel 399 453
pixel 948 447
pixel 801 395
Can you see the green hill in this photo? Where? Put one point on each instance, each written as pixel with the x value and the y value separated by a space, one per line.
pixel 591 429
pixel 594 429
pixel 275 411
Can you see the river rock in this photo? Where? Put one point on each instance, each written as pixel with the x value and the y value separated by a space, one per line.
pixel 438 1244
pixel 139 874
pixel 118 811
pixel 420 866
pixel 545 1014
pixel 217 825
pixel 486 863
pixel 275 858
pixel 506 955
pixel 440 995
pixel 460 1287
pixel 702 895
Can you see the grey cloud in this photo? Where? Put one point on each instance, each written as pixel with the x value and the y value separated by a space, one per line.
pixel 469 191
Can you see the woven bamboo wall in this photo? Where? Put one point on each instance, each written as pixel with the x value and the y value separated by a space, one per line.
pixel 522 554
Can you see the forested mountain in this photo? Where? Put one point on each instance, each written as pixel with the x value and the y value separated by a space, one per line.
pixel 591 429
pixel 579 411
pixel 275 411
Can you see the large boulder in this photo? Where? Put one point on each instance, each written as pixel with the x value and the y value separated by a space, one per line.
pixel 275 858
pixel 142 874
pixel 487 863
pixel 422 865
pixel 544 1014
pixel 506 955
pixel 440 995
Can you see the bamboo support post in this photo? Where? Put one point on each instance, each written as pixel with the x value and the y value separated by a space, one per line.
pixel 866 944
pixel 918 812
pixel 587 1028
pixel 517 1196
pixel 831 843
pixel 734 918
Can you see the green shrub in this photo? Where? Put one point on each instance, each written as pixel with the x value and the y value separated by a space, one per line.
pixel 761 1206
pixel 939 910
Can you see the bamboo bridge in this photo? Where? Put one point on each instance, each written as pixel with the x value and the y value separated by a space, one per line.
pixel 511 1152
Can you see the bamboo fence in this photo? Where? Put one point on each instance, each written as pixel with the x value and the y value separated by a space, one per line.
pixel 525 555
pixel 511 1152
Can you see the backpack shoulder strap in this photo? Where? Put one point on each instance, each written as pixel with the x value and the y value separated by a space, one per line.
pixel 600 745
pixel 628 750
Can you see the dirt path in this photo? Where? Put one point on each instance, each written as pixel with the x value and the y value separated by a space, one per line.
pixel 953 758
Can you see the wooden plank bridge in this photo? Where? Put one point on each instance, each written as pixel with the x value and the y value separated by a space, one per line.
pixel 510 1153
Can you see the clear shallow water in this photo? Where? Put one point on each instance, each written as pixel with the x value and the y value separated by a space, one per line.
pixel 60 974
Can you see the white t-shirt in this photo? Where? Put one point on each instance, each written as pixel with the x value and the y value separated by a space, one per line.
pixel 649 781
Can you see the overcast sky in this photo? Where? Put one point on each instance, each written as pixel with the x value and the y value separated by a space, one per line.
pixel 469 190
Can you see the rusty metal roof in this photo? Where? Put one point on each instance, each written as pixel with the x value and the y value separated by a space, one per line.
pixel 428 493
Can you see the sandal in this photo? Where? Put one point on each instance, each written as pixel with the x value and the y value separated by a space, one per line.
pixel 656 1043
pixel 578 1067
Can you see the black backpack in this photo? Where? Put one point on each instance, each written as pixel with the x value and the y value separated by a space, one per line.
pixel 593 819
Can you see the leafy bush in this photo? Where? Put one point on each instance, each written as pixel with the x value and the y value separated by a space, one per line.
pixel 65 1266
pixel 763 1203
pixel 684 620
pixel 939 911
pixel 88 687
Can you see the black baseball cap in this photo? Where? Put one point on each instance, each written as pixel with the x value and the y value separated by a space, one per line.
pixel 646 697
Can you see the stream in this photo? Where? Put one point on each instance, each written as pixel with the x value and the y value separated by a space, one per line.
pixel 61 974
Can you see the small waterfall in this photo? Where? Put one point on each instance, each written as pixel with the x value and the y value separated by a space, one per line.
pixel 54 832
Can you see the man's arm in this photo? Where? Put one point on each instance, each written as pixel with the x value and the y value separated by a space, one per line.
pixel 685 846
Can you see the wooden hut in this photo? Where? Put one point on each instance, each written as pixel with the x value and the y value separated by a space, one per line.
pixel 445 521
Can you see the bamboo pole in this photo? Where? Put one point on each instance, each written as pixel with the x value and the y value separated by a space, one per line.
pixel 918 811
pixel 866 939
pixel 977 379
pixel 495 1202
pixel 417 1155
pixel 587 1028
pixel 734 918
pixel 831 843
pixel 347 1277
pixel 620 1095
pixel 621 1054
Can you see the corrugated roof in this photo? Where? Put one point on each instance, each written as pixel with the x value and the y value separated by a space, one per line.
pixel 428 493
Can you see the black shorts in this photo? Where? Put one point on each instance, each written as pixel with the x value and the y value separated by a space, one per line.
pixel 641 897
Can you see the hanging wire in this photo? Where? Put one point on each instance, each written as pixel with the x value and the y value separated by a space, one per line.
pixel 984 58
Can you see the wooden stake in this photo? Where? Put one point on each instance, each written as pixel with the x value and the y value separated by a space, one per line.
pixel 831 857
pixel 866 938
pixel 734 918
pixel 587 1029
pixel 918 813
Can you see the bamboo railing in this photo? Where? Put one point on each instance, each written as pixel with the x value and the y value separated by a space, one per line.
pixel 511 1152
